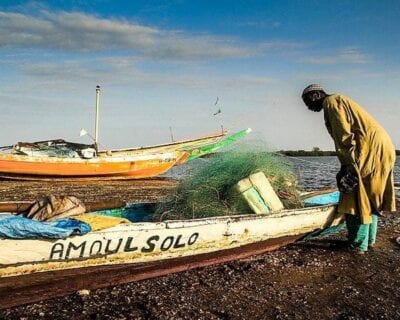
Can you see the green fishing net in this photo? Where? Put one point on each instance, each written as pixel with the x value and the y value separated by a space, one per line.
pixel 208 190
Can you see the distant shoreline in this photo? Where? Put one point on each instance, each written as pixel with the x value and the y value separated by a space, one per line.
pixel 313 153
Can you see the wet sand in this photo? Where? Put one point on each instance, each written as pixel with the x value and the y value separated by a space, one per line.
pixel 134 191
pixel 314 279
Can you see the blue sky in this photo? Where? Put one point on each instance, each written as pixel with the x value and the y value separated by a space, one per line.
pixel 163 64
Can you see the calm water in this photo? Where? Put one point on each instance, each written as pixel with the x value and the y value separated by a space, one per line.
pixel 316 172
pixel 312 172
pixel 320 172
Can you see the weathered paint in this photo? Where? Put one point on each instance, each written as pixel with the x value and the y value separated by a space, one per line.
pixel 135 166
pixel 185 145
pixel 149 242
pixel 135 163
pixel 195 147
pixel 39 286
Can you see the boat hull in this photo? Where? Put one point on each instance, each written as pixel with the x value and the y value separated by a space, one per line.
pixel 134 163
pixel 34 270
pixel 195 147
pixel 149 242
pixel 184 145
pixel 30 288
pixel 134 166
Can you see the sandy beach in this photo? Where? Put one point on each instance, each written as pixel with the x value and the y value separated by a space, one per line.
pixel 309 279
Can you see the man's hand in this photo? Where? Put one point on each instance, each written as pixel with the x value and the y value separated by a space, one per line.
pixel 347 179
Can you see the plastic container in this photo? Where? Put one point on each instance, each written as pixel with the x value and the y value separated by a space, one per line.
pixel 252 197
pixel 267 193
pixel 259 194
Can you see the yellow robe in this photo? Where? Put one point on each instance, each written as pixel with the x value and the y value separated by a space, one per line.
pixel 362 142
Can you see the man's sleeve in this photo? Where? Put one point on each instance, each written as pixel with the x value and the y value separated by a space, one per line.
pixel 340 120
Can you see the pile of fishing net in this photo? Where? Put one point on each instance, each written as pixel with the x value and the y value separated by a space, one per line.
pixel 209 189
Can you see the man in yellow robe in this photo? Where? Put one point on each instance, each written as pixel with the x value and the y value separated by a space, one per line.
pixel 367 156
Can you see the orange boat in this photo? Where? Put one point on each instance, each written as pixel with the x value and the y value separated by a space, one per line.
pixel 59 158
pixel 134 167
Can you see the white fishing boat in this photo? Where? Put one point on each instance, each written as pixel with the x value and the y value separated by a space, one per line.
pixel 148 242
pixel 37 269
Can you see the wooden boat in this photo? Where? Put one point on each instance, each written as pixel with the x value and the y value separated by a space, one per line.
pixel 58 158
pixel 134 166
pixel 195 147
pixel 33 270
pixel 139 243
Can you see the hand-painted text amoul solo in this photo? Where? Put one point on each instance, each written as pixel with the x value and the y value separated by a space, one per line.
pixel 74 249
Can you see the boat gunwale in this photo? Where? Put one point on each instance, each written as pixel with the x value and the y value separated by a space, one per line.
pixel 211 136
pixel 251 216
pixel 169 155
pixel 169 224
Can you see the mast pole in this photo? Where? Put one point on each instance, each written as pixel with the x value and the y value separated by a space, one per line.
pixel 96 126
pixel 172 134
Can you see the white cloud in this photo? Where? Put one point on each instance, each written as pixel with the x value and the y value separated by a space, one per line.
pixel 74 74
pixel 270 24
pixel 348 55
pixel 282 45
pixel 80 32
